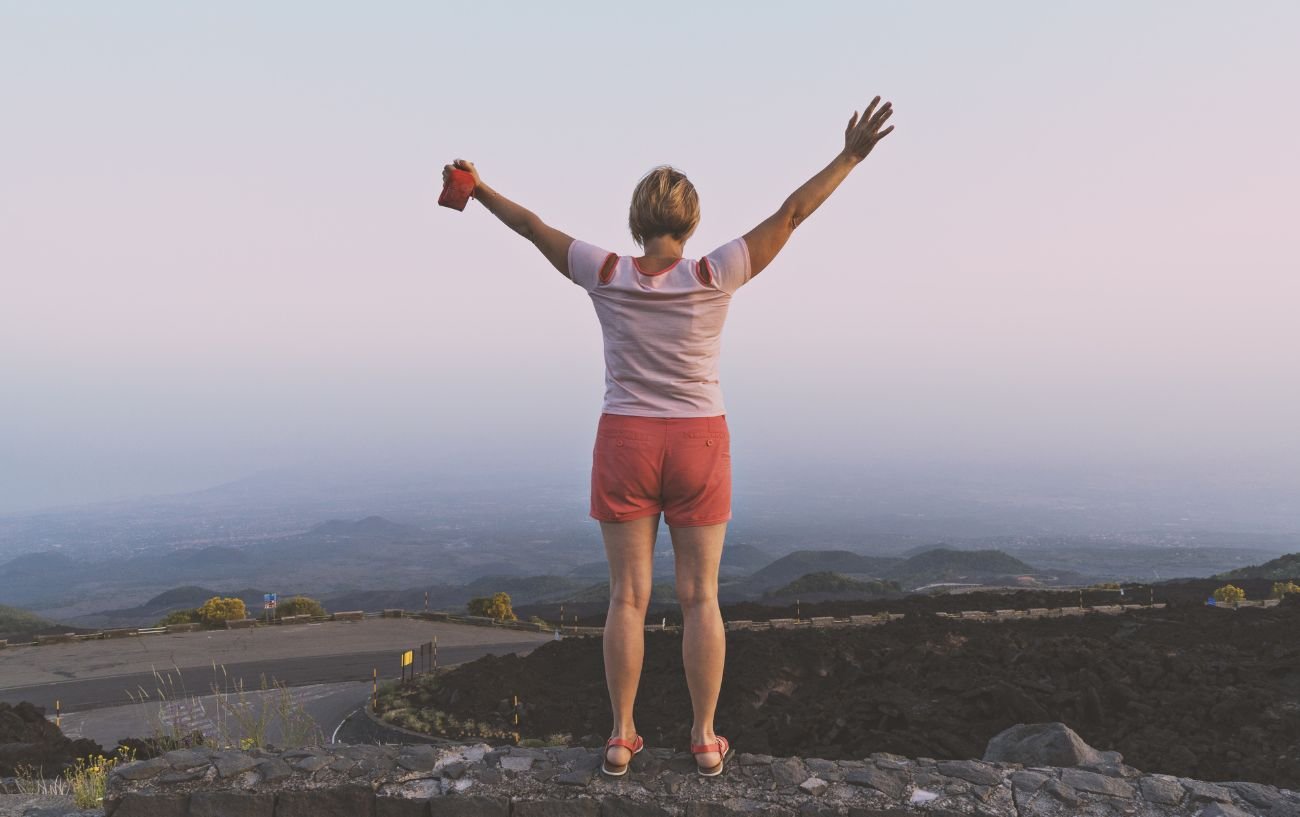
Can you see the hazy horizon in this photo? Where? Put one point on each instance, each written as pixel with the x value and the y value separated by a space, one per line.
pixel 221 251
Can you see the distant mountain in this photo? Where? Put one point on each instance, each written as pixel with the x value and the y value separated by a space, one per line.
pixel 19 625
pixel 179 598
pixel 828 585
pixel 947 565
pixel 38 566
pixel 918 550
pixel 527 589
pixel 744 558
pixel 660 593
pixel 1283 567
pixel 801 562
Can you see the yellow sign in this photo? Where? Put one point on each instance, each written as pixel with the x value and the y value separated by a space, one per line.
pixel 408 658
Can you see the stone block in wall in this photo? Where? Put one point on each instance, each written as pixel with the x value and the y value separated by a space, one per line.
pixel 355 800
pixel 401 807
pixel 241 623
pixel 349 615
pixel 469 806
pixel 393 613
pixel 4 642
pixel 555 808
pixel 624 807
pixel 740 624
pixel 232 804
pixel 822 621
pixel 781 622
pixel 133 804
pixel 59 638
pixel 121 632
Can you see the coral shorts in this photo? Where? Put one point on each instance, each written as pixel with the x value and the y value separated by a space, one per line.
pixel 678 465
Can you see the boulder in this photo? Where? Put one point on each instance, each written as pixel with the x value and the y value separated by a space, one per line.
pixel 1044 744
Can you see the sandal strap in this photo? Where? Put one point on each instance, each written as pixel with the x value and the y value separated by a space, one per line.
pixel 719 745
pixel 624 742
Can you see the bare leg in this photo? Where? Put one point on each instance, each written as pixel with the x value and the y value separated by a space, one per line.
pixel 630 548
pixel 698 551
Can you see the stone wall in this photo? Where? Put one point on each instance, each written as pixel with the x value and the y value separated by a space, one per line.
pixel 475 779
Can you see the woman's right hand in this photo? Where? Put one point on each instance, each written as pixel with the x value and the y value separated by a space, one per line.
pixel 862 134
pixel 461 164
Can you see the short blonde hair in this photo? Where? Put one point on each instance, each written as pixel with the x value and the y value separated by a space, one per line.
pixel 663 203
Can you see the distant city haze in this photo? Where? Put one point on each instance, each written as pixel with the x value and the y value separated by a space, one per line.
pixel 1073 266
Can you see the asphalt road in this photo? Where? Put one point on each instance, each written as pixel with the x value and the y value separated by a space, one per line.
pixel 123 689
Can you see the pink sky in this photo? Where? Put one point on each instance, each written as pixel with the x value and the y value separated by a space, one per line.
pixel 220 251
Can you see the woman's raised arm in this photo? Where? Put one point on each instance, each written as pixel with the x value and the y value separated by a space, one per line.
pixel 553 243
pixel 767 239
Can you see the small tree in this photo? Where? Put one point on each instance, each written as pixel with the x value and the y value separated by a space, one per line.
pixel 216 611
pixel 1280 589
pixel 1229 594
pixel 301 606
pixel 496 606
pixel 501 607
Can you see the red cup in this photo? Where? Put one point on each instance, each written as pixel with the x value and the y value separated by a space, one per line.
pixel 457 190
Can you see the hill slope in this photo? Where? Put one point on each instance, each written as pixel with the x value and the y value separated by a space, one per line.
pixel 1283 567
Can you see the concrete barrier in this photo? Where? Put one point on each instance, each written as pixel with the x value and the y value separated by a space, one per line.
pixel 4 642
pixel 740 624
pixel 393 614
pixel 822 621
pixel 184 628
pixel 1072 611
pixel 350 615
pixel 301 618
pixel 62 638
pixel 241 623
pixel 123 632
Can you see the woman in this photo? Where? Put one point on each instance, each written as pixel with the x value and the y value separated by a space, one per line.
pixel 662 442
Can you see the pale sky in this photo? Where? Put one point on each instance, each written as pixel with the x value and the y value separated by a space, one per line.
pixel 220 248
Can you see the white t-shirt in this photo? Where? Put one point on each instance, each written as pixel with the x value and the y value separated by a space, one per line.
pixel 662 328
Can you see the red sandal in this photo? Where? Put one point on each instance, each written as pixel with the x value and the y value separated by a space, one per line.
pixel 720 745
pixel 618 771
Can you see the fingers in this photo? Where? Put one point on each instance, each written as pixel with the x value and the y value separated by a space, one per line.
pixel 884 133
pixel 852 121
pixel 884 114
pixel 870 109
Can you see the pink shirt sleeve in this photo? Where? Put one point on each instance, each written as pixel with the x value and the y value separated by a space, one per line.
pixel 730 265
pixel 585 261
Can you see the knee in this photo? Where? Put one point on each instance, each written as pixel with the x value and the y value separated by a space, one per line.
pixel 629 598
pixel 692 595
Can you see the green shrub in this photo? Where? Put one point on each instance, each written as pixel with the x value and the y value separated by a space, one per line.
pixel 190 616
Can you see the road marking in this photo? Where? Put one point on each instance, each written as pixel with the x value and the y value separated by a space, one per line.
pixel 334 738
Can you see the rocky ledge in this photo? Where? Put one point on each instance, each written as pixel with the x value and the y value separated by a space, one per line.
pixel 478 780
